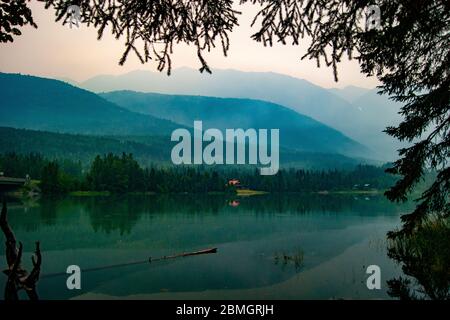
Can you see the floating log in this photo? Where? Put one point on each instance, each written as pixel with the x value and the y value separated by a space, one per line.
pixel 150 260
pixel 185 254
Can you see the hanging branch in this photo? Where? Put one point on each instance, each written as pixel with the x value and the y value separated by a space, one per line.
pixel 152 28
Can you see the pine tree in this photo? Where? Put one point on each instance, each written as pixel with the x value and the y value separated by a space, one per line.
pixel 50 182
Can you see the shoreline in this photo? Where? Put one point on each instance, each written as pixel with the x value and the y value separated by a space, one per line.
pixel 238 193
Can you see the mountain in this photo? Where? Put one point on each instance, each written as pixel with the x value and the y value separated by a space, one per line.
pixel 324 105
pixel 59 110
pixel 300 95
pixel 349 93
pixel 69 81
pixel 297 131
pixel 52 105
pixel 146 150
pixel 370 128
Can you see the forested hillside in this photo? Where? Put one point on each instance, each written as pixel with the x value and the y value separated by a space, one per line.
pixel 45 104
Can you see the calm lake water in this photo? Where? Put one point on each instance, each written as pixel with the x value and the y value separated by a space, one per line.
pixel 331 239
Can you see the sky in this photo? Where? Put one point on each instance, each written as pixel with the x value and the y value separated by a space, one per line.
pixel 58 51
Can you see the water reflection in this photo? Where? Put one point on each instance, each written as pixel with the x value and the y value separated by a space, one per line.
pixel 272 246
pixel 425 261
pixel 107 218
pixel 108 214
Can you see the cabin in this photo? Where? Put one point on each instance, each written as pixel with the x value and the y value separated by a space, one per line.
pixel 235 183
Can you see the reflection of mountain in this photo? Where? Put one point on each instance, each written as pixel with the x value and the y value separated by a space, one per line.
pixel 104 231
pixel 355 120
pixel 124 213
pixel 296 130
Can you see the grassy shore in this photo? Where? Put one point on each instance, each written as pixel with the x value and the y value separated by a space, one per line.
pixel 249 192
pixel 362 192
pixel 90 193
pixel 23 193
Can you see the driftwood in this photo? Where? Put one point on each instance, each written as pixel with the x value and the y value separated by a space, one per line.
pixel 18 278
pixel 149 260
pixel 185 254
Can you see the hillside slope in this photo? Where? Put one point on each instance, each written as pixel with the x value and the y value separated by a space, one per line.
pixel 147 150
pixel 52 105
pixel 297 131
pixel 324 105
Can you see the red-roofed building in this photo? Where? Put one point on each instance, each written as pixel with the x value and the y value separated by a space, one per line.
pixel 234 182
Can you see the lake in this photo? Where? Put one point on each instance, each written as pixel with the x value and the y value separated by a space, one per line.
pixel 328 242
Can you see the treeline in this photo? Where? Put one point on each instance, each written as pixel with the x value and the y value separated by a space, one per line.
pixel 33 164
pixel 363 177
pixel 123 174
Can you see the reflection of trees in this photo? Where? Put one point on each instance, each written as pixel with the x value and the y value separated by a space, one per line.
pixel 48 211
pixel 309 203
pixel 123 213
pixel 425 259
pixel 108 216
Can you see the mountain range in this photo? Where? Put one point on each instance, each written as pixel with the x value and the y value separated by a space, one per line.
pixel 51 105
pixel 297 132
pixel 349 93
pixel 358 113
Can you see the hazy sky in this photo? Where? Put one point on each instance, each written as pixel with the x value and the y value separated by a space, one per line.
pixel 54 50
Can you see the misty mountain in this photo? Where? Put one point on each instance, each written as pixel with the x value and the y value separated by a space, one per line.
pixel 368 126
pixel 349 93
pixel 69 81
pixel 297 94
pixel 53 107
pixel 361 120
pixel 46 104
pixel 297 131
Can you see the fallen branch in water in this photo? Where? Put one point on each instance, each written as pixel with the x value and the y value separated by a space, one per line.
pixel 185 254
pixel 150 260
